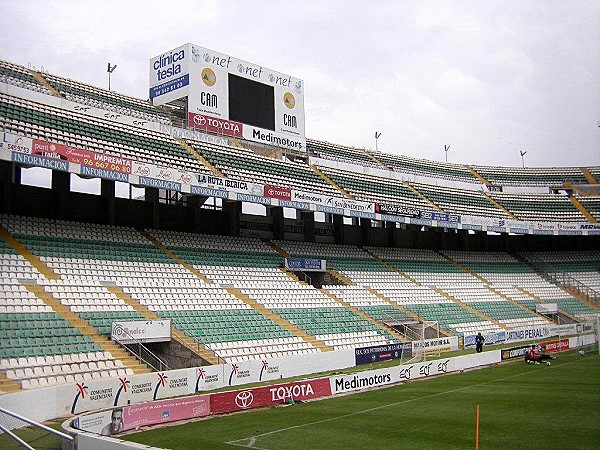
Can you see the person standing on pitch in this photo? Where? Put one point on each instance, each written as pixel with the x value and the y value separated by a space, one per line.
pixel 479 340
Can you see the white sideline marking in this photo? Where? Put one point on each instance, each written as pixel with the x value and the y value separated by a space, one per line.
pixel 252 440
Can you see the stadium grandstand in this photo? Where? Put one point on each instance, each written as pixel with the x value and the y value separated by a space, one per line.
pixel 206 241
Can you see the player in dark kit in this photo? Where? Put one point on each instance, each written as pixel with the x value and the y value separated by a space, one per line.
pixel 479 340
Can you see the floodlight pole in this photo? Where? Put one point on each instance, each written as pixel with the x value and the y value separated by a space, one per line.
pixel 376 137
pixel 110 69
pixel 523 153
pixel 446 148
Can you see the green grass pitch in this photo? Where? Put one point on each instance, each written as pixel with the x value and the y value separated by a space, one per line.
pixel 521 407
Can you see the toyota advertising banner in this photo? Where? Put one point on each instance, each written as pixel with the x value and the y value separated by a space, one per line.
pixel 239 400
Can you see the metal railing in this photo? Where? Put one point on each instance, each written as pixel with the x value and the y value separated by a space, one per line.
pixel 15 421
pixel 142 353
pixel 561 278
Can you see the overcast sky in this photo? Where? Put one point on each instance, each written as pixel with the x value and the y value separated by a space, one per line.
pixel 488 78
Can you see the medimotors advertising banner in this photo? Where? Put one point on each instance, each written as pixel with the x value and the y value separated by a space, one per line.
pixel 382 377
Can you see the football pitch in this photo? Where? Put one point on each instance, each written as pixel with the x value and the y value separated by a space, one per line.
pixel 521 407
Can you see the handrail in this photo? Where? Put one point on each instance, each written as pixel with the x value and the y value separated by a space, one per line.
pixel 30 422
pixel 561 278
pixel 141 350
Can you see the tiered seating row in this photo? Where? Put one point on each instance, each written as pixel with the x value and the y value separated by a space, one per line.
pixel 262 348
pixel 20 76
pixel 110 100
pixel 40 121
pixel 540 207
pixel 531 176
pixel 251 167
pixel 376 189
pixel 335 152
pixel 34 372
pixel 40 334
pixel 425 168
pixel 461 201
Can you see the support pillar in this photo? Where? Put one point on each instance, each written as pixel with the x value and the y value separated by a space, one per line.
pixel 107 192
pixel 233 211
pixel 61 186
pixel 276 213
pixel 151 198
pixel 308 218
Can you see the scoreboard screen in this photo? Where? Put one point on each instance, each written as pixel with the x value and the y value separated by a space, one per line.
pixel 251 102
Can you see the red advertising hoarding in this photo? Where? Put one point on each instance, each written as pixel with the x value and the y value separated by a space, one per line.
pixel 215 125
pixel 242 399
pixel 80 156
pixel 58 151
pixel 164 411
pixel 277 192
pixel 558 345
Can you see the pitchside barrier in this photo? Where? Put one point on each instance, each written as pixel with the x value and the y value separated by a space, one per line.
pixel 197 406
pixel 129 392
pixel 88 426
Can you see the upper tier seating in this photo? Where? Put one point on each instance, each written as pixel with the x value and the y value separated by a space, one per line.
pixel 461 201
pixel 424 168
pixel 20 76
pixel 245 165
pixel 336 152
pixel 377 189
pixel 540 207
pixel 531 176
pixel 101 98
pixel 59 126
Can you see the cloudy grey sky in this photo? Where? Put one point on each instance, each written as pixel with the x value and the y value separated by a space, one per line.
pixel 488 78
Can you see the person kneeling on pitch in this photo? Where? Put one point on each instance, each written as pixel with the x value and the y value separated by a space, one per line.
pixel 534 356
pixel 530 355
pixel 543 356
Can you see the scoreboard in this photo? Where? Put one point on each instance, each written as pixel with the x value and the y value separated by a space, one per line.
pixel 231 97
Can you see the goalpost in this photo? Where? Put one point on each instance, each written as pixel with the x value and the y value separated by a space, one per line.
pixel 419 334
